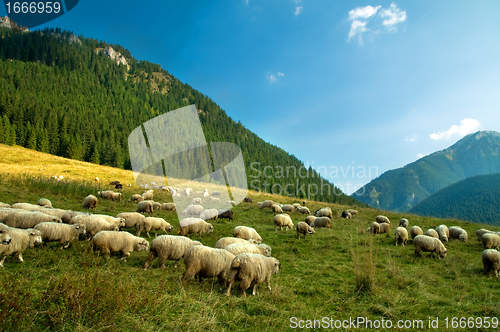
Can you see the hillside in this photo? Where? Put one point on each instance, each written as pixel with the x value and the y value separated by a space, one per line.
pixel 403 188
pixel 474 199
pixel 80 98
pixel 337 273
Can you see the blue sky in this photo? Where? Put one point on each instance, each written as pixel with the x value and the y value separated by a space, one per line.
pixel 336 83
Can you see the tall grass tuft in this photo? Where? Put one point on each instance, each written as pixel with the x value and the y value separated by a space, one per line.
pixel 364 269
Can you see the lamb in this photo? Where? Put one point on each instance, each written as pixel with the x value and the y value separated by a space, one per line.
pixel 106 194
pixel 287 208
pixel 352 212
pixel 374 228
pixel 401 235
pixel 431 233
pixel 281 220
pixel 113 241
pixel 4 205
pixel 21 239
pixel 120 222
pixel 247 233
pixel 310 219
pixel 135 198
pixel 225 214
pixel 116 196
pixel 251 269
pixel 45 202
pixel 491 261
pixel 321 222
pixel 276 208
pixel 195 226
pixel 239 248
pixel 156 206
pixel 169 247
pixel 196 201
pixel 304 228
pixel 168 206
pixel 27 219
pixel 209 214
pixel 205 262
pixel 385 228
pixel 457 232
pixel 443 233
pixel 148 195
pixel 193 210
pixel 248 200
pixel 415 230
pixel 324 212
pixel 131 218
pixel 225 241
pixel 346 215
pixel 490 241
pixel 304 210
pixel 382 219
pixel 93 224
pixel 51 231
pixel 429 244
pixel 145 207
pixel 404 222
pixel 150 223
pixel 90 202
pixel 479 233
pixel 266 204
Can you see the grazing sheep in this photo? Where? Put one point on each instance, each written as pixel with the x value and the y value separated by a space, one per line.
pixel 287 208
pixel 431 233
pixel 266 204
pixel 276 208
pixel 4 212
pixel 248 200
pixel 93 224
pixel 404 222
pixel 66 218
pixel 145 207
pixel 346 215
pixel 251 269
pixel 131 218
pixel 415 230
pixel 116 197
pixel 90 202
pixel 385 228
pixel 193 210
pixel 225 214
pixel 429 244
pixel 401 235
pixel 247 233
pixel 216 193
pixel 281 220
pixel 209 214
pixel 479 233
pixel 196 201
pixel 458 233
pixel 205 195
pixel 214 199
pixel 304 203
pixel 113 241
pixel 443 233
pixel 169 247
pixel 168 206
pixel 374 228
pixel 148 195
pixel 45 202
pixel 490 241
pixel 54 212
pixel 352 212
pixel 51 231
pixel 21 239
pixel 239 248
pixel 119 222
pixel 27 219
pixel 304 228
pixel 382 219
pixel 324 212
pixel 155 224
pixel 491 261
pixel 206 262
pixel 321 222
pixel 195 226
pixel 304 210
pixel 297 206
pixel 135 198
pixel 4 205
pixel 310 219
pixel 225 241
pixel 156 206
pixel 27 207
pixel 106 194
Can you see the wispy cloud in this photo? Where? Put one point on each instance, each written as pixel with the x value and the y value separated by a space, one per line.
pixel 421 155
pixel 272 78
pixel 467 126
pixel 298 7
pixel 360 17
pixel 411 139
pixel 245 2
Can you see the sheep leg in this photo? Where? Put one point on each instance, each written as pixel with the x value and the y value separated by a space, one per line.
pixel 3 260
pixel 125 255
pixel 20 257
pixel 150 258
pixel 254 288
pixel 66 246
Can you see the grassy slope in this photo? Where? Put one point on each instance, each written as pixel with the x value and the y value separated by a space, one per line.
pixel 72 290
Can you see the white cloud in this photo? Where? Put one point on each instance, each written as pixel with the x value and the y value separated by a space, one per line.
pixel 273 78
pixel 411 139
pixel 298 10
pixel 280 74
pixel 358 26
pixel 392 16
pixel 467 126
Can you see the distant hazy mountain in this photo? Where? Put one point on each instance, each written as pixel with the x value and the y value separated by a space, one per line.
pixel 474 199
pixel 405 187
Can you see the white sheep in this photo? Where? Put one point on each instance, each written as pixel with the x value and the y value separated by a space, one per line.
pixel 415 230
pixel 51 231
pixel 239 248
pixel 456 232
pixel 304 210
pixel 346 215
pixel 145 207
pixel 196 201
pixel 247 233
pixel 206 262
pixel 429 244
pixel 54 212
pixel 195 226
pixel 281 220
pixel 90 202
pixel 21 239
pixel 490 241
pixel 209 214
pixel 214 199
pixel 324 212
pixel 148 195
pixel 382 219
pixel 113 241
pixel 106 194
pixel 193 210
pixel 156 206
pixel 169 247
pixel 276 208
pixel 27 219
pixel 443 233
pixel 480 232
pixel 297 206
pixel 116 196
pixel 45 202
pixel 119 222
pixel 491 260
pixel 225 241
pixel 432 233
pixel 4 205
pixel 131 218
pixel 309 220
pixel 287 208
pixel 374 228
pixel 4 234
pixel 385 228
pixel 404 222
pixel 266 204
pixel 252 269
pixel 168 206
pixel 27 207
pixel 352 212
pixel 93 224
pixel 151 223
pixel 401 235
pixel 304 228
pixel 321 222
pixel 135 198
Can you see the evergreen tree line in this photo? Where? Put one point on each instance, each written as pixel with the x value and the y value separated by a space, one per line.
pixel 70 100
